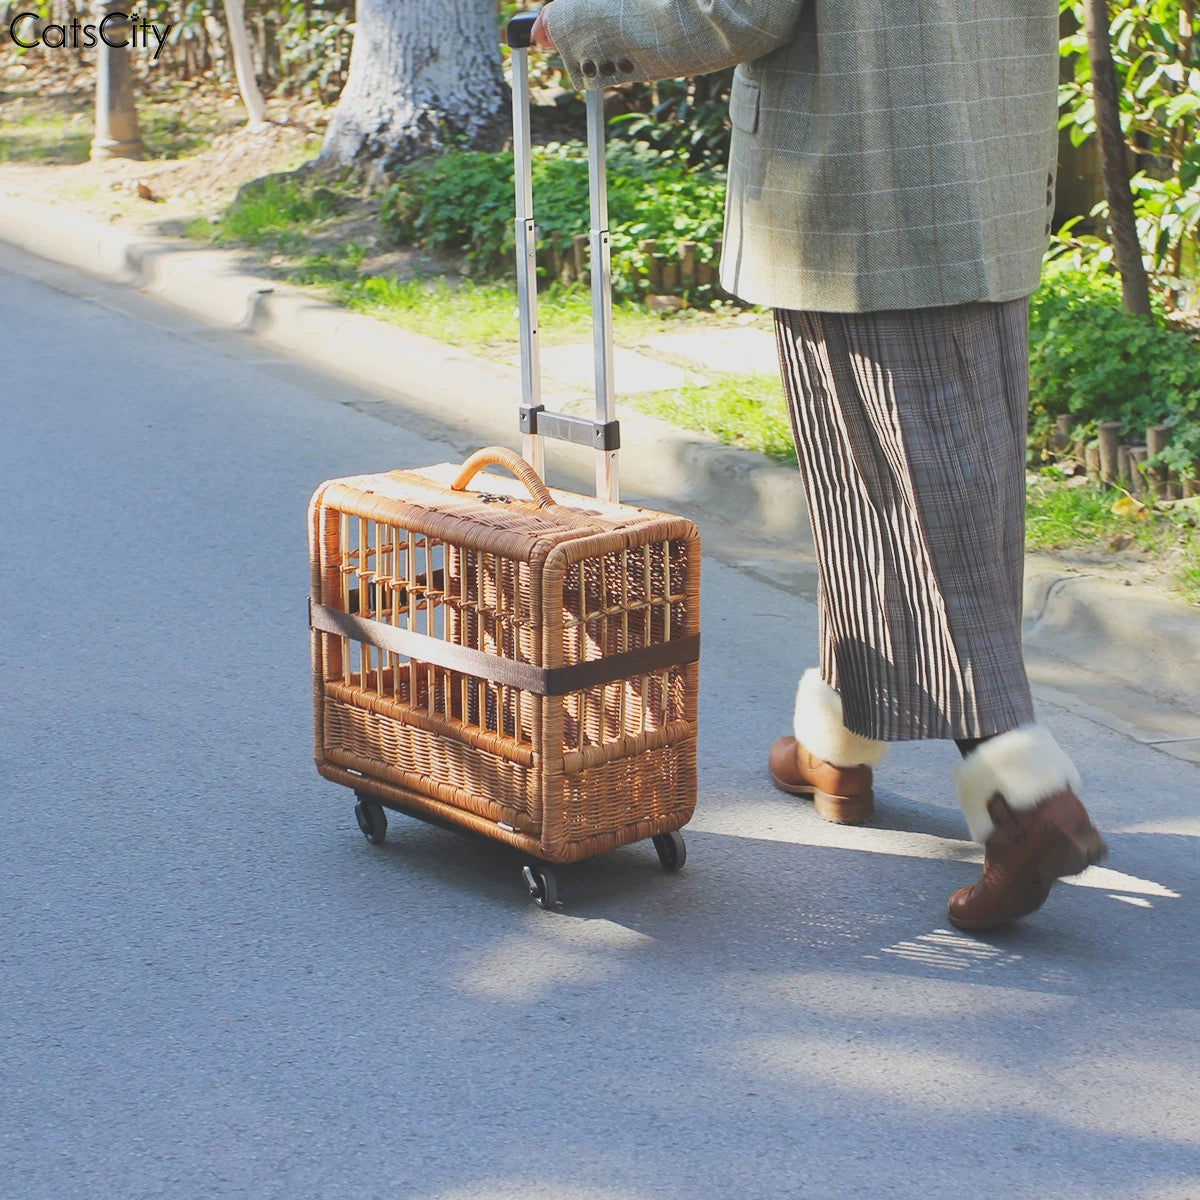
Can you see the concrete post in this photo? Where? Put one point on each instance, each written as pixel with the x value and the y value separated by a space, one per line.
pixel 117 133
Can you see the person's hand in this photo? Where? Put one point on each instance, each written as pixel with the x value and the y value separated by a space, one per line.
pixel 540 33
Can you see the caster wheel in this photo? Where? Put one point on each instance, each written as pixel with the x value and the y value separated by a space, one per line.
pixel 672 852
pixel 372 820
pixel 541 885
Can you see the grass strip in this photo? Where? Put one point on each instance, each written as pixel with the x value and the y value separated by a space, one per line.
pixel 1059 516
pixel 739 410
pixel 470 314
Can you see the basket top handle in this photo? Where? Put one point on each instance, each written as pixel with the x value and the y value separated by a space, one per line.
pixel 500 456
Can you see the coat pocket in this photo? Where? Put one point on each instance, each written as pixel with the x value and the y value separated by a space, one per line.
pixel 743 103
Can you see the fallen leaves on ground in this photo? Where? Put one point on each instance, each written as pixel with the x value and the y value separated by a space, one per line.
pixel 1131 507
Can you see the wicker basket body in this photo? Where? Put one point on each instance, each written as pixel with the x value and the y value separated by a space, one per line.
pixel 560 763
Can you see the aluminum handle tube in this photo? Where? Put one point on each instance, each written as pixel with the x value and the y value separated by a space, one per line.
pixel 532 446
pixel 607 483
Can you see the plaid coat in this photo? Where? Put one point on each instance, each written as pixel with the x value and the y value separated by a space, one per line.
pixel 887 154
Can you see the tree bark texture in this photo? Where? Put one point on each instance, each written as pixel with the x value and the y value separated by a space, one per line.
pixel 1127 249
pixel 420 74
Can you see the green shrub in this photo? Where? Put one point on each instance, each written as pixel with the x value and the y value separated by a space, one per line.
pixel 463 200
pixel 1092 361
pixel 689 117
pixel 460 199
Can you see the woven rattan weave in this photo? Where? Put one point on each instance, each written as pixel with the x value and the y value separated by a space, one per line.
pixel 518 661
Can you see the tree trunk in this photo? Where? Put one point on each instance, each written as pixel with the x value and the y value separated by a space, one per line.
pixel 1127 250
pixel 420 75
pixel 243 62
pixel 1185 129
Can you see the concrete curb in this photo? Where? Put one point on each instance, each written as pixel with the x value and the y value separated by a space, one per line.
pixel 1145 641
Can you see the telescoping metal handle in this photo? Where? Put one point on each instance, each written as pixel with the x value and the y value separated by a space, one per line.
pixel 602 433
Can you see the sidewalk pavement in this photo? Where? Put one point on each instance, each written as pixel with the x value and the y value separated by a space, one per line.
pixel 1126 656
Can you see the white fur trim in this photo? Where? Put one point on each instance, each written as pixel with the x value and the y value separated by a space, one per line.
pixel 818 724
pixel 1024 766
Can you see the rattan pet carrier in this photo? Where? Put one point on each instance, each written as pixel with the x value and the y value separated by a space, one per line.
pixel 523 665
pixel 515 660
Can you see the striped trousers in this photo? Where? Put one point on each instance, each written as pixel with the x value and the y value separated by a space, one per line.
pixel 910 430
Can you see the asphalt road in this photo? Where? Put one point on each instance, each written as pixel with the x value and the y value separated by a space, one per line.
pixel 211 986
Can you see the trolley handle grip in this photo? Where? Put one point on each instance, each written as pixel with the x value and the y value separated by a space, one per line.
pixel 499 456
pixel 519 32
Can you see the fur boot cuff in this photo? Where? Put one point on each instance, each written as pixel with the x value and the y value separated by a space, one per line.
pixel 1024 766
pixel 818 725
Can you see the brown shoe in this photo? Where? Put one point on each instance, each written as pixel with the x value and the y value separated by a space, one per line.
pixel 1027 851
pixel 826 760
pixel 840 794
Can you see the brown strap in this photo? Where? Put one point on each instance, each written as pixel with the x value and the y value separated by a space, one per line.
pixel 542 681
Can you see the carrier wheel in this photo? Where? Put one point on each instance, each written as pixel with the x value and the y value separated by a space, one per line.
pixel 372 820
pixel 672 851
pixel 541 884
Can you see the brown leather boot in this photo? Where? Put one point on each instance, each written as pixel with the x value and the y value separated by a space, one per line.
pixel 1033 826
pixel 839 794
pixel 825 760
